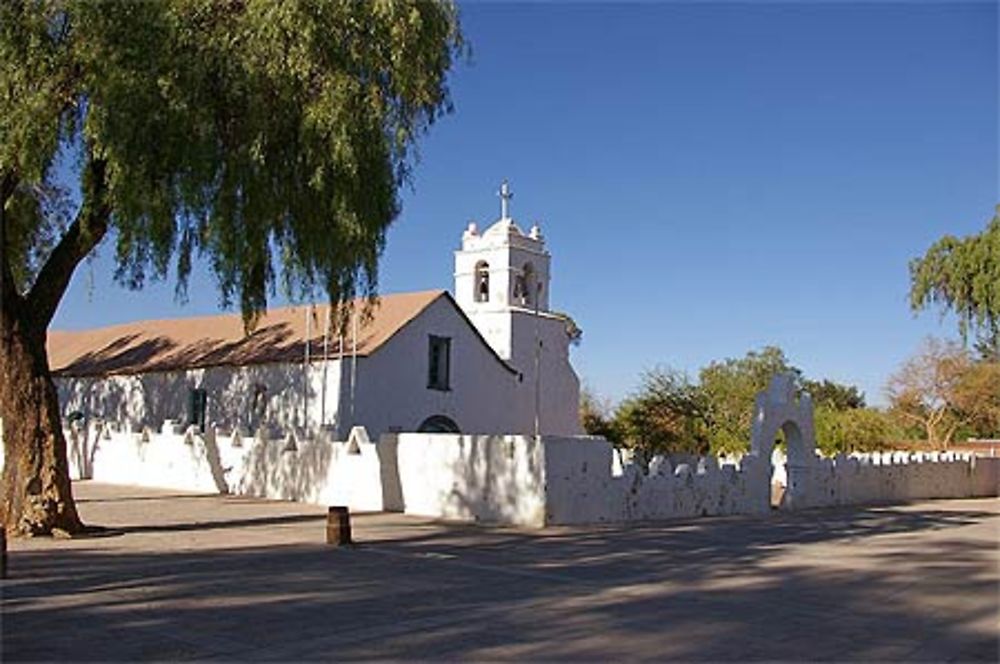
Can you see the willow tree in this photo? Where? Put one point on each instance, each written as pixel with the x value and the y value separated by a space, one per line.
pixel 962 275
pixel 268 138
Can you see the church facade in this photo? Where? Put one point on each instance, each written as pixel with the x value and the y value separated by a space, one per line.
pixel 492 358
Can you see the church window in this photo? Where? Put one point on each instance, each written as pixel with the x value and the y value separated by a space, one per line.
pixel 482 282
pixel 197 402
pixel 439 363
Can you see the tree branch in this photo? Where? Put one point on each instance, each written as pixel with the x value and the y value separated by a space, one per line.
pixel 8 183
pixel 85 233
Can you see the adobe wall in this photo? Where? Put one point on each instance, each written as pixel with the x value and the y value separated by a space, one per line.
pixel 493 479
pixel 516 480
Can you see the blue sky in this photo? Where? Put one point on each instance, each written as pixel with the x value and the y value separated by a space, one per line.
pixel 710 177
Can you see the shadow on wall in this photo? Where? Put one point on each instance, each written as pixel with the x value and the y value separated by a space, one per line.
pixel 255 396
pixel 493 479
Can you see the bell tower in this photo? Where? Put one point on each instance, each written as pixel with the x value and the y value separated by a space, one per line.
pixel 502 285
pixel 502 268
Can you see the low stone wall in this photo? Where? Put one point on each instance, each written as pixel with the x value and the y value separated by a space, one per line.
pixel 318 470
pixel 495 479
pixel 890 477
pixel 516 480
pixel 581 488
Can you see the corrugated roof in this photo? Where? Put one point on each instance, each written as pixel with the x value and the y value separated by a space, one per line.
pixel 186 343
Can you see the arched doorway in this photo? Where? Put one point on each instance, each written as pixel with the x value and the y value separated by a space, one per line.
pixel 438 424
pixel 782 420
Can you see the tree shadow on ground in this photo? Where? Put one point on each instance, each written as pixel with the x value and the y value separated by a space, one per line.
pixel 870 584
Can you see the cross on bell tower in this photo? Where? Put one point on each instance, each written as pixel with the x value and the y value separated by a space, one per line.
pixel 505 196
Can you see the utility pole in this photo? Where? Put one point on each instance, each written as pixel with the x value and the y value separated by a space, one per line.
pixel 538 366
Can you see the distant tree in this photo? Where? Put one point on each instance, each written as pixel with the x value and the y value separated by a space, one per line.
pixel 729 389
pixel 852 430
pixel 596 417
pixel 269 137
pixel 976 397
pixel 963 275
pixel 927 390
pixel 833 395
pixel 666 415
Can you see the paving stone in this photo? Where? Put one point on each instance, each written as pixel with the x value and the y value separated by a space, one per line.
pixel 186 576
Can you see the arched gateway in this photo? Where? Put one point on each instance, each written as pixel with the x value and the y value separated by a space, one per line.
pixel 776 409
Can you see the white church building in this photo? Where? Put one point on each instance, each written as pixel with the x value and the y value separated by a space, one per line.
pixel 490 358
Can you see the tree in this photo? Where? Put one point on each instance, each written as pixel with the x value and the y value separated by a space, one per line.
pixel 851 430
pixel 666 415
pixel 833 395
pixel 730 387
pixel 253 134
pixel 963 276
pixel 595 416
pixel 976 397
pixel 926 389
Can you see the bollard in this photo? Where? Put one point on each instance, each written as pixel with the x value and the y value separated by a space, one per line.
pixel 3 553
pixel 338 526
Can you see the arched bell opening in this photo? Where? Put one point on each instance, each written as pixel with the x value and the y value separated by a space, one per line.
pixel 482 282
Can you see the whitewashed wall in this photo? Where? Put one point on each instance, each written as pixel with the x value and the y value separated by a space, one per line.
pixel 891 477
pixel 391 393
pixel 497 479
pixel 514 333
pixel 317 470
pixel 504 479
pixel 581 487
pixel 150 398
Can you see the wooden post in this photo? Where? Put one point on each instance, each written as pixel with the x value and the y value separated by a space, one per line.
pixel 338 526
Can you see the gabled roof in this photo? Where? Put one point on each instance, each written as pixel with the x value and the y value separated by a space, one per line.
pixel 189 343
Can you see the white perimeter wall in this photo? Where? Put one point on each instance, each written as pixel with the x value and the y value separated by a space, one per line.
pixel 504 479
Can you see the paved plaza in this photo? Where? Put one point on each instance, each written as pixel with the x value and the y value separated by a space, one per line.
pixel 185 576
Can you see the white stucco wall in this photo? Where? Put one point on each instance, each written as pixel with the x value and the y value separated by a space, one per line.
pixel 391 392
pixel 516 480
pixel 582 487
pixel 150 398
pixel 495 479
pixel 316 470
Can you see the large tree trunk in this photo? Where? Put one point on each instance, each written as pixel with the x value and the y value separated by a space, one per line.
pixel 36 489
pixel 37 497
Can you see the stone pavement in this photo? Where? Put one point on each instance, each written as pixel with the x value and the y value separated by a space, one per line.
pixel 187 576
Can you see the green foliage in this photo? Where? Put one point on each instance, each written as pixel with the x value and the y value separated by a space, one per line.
pixel 596 418
pixel 963 276
pixel 667 415
pixel 670 413
pixel 977 398
pixel 834 395
pixel 269 137
pixel 852 430
pixel 730 387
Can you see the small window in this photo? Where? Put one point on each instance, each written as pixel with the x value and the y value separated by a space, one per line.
pixel 439 363
pixel 197 401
